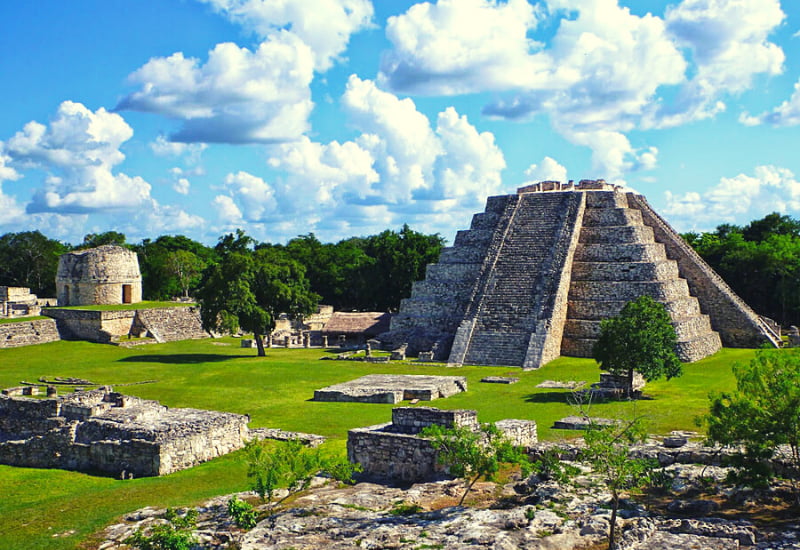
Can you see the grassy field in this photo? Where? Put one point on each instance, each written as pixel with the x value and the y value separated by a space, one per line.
pixel 22 319
pixel 46 509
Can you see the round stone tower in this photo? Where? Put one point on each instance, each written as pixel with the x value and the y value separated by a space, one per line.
pixel 104 275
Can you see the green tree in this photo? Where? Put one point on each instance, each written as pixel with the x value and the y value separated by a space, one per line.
pixel 762 414
pixel 291 465
pixel 29 259
pixel 607 451
pixel 93 240
pixel 159 280
pixel 400 258
pixel 641 338
pixel 248 290
pixel 474 454
pixel 186 267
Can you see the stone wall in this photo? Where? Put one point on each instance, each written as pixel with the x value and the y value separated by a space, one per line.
pixel 163 324
pixel 396 451
pixel 26 333
pixel 110 432
pixel 93 326
pixel 171 323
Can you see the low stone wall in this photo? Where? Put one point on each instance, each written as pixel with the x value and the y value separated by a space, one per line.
pixel 93 326
pixel 26 333
pixel 388 388
pixel 396 451
pixel 384 454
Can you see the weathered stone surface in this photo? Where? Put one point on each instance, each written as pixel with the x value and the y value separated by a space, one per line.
pixel 26 333
pixel 104 275
pixel 558 384
pixel 537 271
pixel 111 432
pixel 387 388
pixel 580 423
pixel 395 450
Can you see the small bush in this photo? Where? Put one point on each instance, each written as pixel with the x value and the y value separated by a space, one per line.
pixel 242 513
pixel 176 534
pixel 404 509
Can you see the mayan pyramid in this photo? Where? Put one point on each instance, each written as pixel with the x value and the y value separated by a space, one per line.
pixel 537 271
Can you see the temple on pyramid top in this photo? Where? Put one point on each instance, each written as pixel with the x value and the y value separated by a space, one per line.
pixel 537 271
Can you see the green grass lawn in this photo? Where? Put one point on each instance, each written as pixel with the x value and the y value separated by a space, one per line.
pixel 22 319
pixel 276 391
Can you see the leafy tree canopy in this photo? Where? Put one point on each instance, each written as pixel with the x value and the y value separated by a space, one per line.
pixel 641 338
pixel 248 290
pixel 29 259
pixel 760 261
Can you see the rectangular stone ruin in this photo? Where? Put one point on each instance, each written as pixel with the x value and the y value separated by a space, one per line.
pixel 114 433
pixel 396 451
pixel 393 388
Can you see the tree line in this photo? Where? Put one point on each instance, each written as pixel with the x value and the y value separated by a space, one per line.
pixel 760 261
pixel 370 273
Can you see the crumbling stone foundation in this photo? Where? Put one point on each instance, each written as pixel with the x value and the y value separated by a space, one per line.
pixel 110 432
pixel 387 388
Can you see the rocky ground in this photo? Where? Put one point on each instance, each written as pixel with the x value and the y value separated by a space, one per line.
pixel 696 511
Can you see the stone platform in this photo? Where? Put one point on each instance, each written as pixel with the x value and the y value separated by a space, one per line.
pixel 393 388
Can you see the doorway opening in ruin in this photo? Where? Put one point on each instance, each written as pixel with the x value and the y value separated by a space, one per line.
pixel 66 295
pixel 126 294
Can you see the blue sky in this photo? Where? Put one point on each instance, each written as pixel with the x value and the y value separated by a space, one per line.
pixel 347 117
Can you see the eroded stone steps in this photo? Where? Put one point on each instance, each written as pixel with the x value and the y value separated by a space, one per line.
pixel 685 329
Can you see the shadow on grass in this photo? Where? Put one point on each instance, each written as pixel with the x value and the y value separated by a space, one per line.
pixel 182 358
pixel 565 397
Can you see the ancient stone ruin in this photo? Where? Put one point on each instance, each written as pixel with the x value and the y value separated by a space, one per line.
pixel 538 270
pixel 396 451
pixel 393 388
pixel 114 433
pixel 104 275
pixel 17 301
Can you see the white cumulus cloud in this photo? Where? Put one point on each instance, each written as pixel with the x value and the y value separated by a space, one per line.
pixel 78 149
pixel 738 199
pixel 399 169
pixel 785 114
pixel 237 96
pixel 547 170
pixel 325 25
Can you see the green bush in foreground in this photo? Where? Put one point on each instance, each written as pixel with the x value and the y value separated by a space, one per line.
pixel 291 465
pixel 762 414
pixel 176 534
pixel 474 454
pixel 242 513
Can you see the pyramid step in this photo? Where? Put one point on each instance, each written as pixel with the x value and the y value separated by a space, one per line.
pixel 698 348
pixel 630 252
pixel 624 271
pixel 686 328
pixel 589 309
pixel 606 199
pixel 660 291
pixel 595 217
pixel 617 234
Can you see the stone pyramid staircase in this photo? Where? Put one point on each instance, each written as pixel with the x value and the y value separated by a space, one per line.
pixel 616 261
pixel 508 320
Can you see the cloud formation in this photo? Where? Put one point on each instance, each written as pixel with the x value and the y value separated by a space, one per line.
pixel 785 114
pixel 237 96
pixel 326 28
pixel 547 170
pixel 601 75
pixel 78 150
pixel 736 200
pixel 397 169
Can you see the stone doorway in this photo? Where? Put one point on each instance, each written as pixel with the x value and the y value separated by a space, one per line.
pixel 126 294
